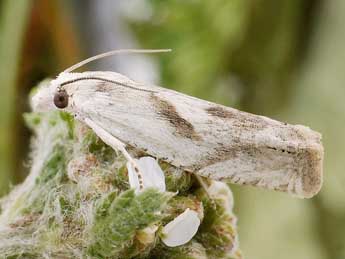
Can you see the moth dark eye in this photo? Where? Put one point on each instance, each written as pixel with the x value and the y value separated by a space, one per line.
pixel 61 99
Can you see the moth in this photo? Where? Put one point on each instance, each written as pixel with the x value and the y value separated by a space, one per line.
pixel 198 136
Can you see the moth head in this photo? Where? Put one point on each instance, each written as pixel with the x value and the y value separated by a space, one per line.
pixel 49 96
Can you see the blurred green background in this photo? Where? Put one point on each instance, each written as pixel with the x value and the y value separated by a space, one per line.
pixel 283 59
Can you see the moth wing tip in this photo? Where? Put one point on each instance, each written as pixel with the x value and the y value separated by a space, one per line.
pixel 312 177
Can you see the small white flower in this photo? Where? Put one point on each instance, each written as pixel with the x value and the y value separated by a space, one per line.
pixel 151 173
pixel 178 231
pixel 182 229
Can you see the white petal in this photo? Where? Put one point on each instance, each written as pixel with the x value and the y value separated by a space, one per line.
pixel 152 174
pixel 182 229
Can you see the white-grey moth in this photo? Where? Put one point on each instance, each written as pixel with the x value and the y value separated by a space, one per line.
pixel 198 136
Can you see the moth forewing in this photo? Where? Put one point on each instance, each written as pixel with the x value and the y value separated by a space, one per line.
pixel 205 138
pixel 201 137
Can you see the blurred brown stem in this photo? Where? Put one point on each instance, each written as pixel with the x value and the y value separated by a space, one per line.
pixel 13 21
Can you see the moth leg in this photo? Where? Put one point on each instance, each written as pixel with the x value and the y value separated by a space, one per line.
pixel 116 144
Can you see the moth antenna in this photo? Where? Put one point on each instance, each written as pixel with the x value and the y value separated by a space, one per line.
pixel 111 53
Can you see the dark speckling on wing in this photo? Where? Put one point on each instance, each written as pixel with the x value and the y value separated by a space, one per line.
pixel 103 87
pixel 167 111
pixel 239 119
pixel 218 111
